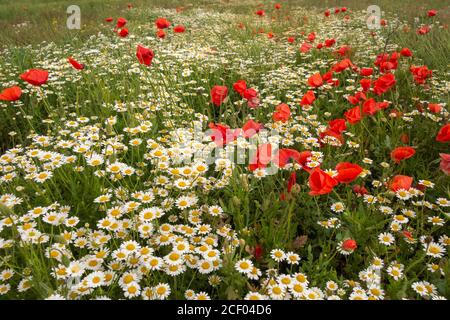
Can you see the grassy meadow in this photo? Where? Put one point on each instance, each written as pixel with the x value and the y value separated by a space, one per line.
pixel 224 149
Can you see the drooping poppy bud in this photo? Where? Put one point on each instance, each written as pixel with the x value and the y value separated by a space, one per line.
pixel 218 95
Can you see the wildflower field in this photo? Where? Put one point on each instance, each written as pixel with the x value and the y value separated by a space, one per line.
pixel 232 149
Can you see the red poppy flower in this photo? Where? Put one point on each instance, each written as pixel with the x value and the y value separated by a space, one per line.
pixel 277 6
pixel 370 107
pixel 353 115
pixel 349 245
pixel 320 182
pixel 329 42
pixel 305 47
pixel 144 55
pixel 384 83
pixel 421 74
pixel 285 156
pixel 330 133
pixel 308 98
pixel 432 12
pixel 109 19
pixel 251 95
pixel 179 29
pixel 444 134
pixel 406 52
pixel 222 134
pixel 337 125
pixel 365 72
pixel 343 51
pixel 342 65
pixel 303 159
pixel 123 32
pixel 262 157
pixel 162 23
pixel 400 182
pixel 444 165
pixel 240 86
pixel 11 94
pixel 311 37
pixel 35 77
pixel 434 107
pixel 282 113
pixel 291 39
pixel 347 172
pixel 361 96
pixel 394 57
pixel 354 100
pixel 382 105
pixel 75 63
pixel 260 13
pixel 423 30
pixel 327 76
pixel 315 80
pixel 386 62
pixel 327 13
pixel 218 94
pixel 401 153
pixel 365 84
pixel 121 22
pixel 251 128
pixel 161 33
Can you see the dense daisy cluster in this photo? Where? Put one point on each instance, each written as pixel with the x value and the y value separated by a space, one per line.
pixel 133 174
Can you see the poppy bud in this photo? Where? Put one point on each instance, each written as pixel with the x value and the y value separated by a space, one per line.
pixel 404 138
pixel 258 252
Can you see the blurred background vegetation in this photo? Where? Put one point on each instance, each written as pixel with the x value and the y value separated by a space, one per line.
pixel 26 22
